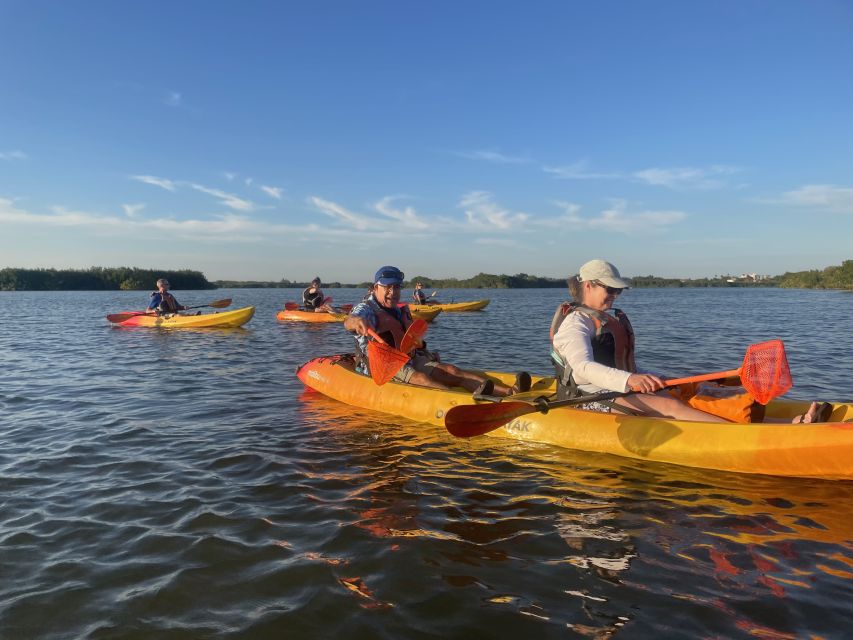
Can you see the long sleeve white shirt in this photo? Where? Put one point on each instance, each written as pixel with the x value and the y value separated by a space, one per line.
pixel 573 342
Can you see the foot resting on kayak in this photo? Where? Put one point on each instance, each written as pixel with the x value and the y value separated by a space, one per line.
pixel 818 412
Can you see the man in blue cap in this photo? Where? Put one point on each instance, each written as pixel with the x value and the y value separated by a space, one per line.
pixel 382 313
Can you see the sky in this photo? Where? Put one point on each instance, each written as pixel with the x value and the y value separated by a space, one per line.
pixel 260 140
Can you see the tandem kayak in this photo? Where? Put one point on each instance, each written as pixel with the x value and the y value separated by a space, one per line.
pixel 473 305
pixel 312 316
pixel 220 319
pixel 819 450
pixel 298 315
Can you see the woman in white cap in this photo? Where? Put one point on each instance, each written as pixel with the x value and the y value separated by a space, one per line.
pixel 593 351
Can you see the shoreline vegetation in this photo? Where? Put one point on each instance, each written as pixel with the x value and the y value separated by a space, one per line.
pixel 133 279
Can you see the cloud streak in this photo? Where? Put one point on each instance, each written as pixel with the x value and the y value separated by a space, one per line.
pixel 492 156
pixel 820 196
pixel 13 155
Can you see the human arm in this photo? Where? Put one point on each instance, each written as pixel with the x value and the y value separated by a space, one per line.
pixel 360 320
pixel 573 342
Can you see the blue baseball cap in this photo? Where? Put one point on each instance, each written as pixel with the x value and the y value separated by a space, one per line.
pixel 388 275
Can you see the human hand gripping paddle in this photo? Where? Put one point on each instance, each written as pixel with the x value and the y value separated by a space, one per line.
pixel 121 317
pixel 764 374
pixel 384 360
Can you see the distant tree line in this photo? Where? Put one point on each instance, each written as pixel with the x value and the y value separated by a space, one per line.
pixel 98 279
pixel 281 284
pixel 110 279
pixel 830 278
pixel 489 281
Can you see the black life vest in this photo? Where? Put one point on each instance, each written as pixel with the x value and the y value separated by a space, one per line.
pixel 314 300
pixel 612 344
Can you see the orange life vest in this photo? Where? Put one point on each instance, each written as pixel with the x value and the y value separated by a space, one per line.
pixel 390 328
pixel 612 344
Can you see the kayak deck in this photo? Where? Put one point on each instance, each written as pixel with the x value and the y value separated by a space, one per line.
pixel 297 315
pixel 820 450
pixel 473 305
pixel 219 319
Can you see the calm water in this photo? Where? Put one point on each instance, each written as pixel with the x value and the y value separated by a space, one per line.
pixel 183 484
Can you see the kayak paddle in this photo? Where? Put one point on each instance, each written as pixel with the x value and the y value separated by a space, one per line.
pixel 413 336
pixel 764 374
pixel 291 306
pixel 384 360
pixel 121 317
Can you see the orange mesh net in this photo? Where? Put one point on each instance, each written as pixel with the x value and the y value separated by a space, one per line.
pixel 384 361
pixel 765 372
pixel 413 336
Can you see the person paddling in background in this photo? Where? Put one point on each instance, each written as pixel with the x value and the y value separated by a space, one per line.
pixel 381 312
pixel 593 351
pixel 313 298
pixel 419 295
pixel 162 301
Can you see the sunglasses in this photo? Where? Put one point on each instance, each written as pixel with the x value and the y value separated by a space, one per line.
pixel 389 286
pixel 613 291
pixel 397 275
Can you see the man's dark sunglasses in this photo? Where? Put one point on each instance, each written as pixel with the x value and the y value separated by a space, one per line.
pixel 397 275
pixel 613 291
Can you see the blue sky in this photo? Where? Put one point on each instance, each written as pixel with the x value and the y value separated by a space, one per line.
pixel 269 140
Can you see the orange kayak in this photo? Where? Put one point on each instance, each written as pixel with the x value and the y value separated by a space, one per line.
pixel 817 450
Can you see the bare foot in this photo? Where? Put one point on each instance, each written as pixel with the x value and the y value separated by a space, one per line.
pixel 808 417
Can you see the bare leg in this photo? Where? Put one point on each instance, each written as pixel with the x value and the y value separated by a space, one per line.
pixel 666 407
pixel 453 376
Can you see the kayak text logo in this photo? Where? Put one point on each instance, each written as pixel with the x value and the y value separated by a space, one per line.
pixel 519 426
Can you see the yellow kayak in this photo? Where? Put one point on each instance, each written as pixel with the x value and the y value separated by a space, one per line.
pixel 235 318
pixel 427 314
pixel 819 450
pixel 309 316
pixel 474 305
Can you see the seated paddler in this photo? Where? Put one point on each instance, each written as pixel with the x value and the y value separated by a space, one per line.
pixel 382 312
pixel 593 351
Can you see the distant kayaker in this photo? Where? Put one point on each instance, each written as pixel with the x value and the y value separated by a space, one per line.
pixel 382 313
pixel 313 298
pixel 162 301
pixel 420 297
pixel 593 351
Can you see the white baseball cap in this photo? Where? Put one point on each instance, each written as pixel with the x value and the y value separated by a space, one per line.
pixel 602 272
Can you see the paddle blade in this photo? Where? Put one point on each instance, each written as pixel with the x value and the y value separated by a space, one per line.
pixel 765 372
pixel 467 420
pixel 220 304
pixel 384 361
pixel 327 300
pixel 346 308
pixel 413 336
pixel 291 306
pixel 121 317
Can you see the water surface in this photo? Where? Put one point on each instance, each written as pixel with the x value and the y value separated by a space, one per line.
pixel 184 484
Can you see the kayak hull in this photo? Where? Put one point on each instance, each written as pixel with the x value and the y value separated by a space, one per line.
pixel 427 314
pixel 474 305
pixel 823 450
pixel 309 316
pixel 220 319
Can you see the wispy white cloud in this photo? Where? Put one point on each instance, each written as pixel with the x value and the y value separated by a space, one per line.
pixel 130 210
pixel 229 176
pixel 13 155
pixel 686 177
pixel 618 219
pixel 216 228
pixel 482 212
pixel 492 156
pixel 273 192
pixel 579 171
pixel 341 214
pixel 228 199
pixel 407 216
pixel 168 185
pixel 820 196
